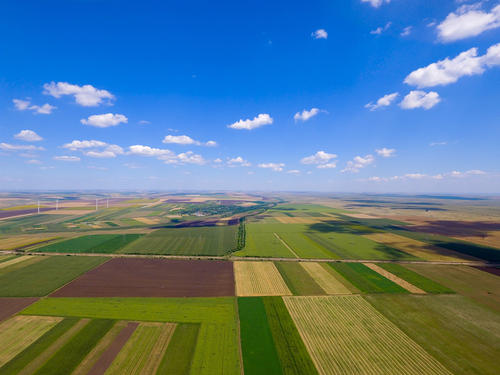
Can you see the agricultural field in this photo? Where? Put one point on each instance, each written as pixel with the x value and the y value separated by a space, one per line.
pixel 232 283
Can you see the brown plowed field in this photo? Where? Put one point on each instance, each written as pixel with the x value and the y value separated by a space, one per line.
pixel 10 306
pixel 122 277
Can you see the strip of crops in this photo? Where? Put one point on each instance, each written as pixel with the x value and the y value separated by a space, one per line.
pixel 20 361
pixel 99 243
pixel 345 334
pixel 291 350
pixel 325 279
pixel 180 351
pixel 257 345
pixel 414 278
pixel 365 279
pixel 259 279
pixel 76 349
pixel 298 280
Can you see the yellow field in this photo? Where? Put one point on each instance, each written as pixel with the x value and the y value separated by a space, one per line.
pixel 346 335
pixel 402 283
pixel 11 243
pixel 325 279
pixel 259 279
pixel 19 332
pixel 298 220
pixel 146 220
pixel 417 248
pixel 14 261
pixel 489 239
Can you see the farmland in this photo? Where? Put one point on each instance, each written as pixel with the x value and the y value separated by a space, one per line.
pixel 239 284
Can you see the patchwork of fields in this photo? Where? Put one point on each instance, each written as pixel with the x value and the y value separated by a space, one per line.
pixel 299 288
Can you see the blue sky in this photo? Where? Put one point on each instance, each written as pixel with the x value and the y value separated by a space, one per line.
pixel 354 95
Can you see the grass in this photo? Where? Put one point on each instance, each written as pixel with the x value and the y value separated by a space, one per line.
pixel 20 361
pixel 99 243
pixel 217 350
pixel 214 240
pixel 76 349
pixel 292 352
pixel 44 276
pixel 304 246
pixel 365 279
pixel 180 350
pixel 298 280
pixel 460 334
pixel 346 335
pixel 261 242
pixel 257 345
pixel 414 278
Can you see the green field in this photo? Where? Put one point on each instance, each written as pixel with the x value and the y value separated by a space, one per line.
pixel 213 240
pixel 414 278
pixel 262 242
pixel 257 345
pixel 292 352
pixel 217 350
pixel 97 243
pixel 41 278
pixel 298 280
pixel 180 350
pixel 461 335
pixel 365 279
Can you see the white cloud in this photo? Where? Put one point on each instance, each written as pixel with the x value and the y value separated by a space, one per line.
pixel 180 140
pixel 144 122
pixel 149 151
pixel 261 120
pixel 277 167
pixel 67 158
pixel 11 147
pixel 238 162
pixel 167 156
pixel 33 161
pixel 420 99
pixel 189 158
pixel 211 144
pixel 111 151
pixel 384 101
pixel 379 30
pixel 415 176
pixel 438 144
pixel 386 152
pixel 406 31
pixel 357 163
pixel 78 145
pixel 86 95
pixel 448 71
pixel 320 34
pixel 376 3
pixel 420 176
pixel 105 120
pixel 468 21
pixel 100 149
pixel 306 115
pixel 293 171
pixel 322 159
pixel 28 136
pixel 23 105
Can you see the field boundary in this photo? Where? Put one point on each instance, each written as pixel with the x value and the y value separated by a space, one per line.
pixel 286 245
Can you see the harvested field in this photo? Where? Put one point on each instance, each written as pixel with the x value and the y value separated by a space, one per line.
pixel 146 220
pixel 180 350
pixel 257 344
pixel 259 279
pixel 481 286
pixel 22 241
pixel 45 275
pixel 10 306
pixel 20 332
pixel 143 277
pixel 14 261
pixel 325 279
pixel 298 220
pixel 417 248
pixel 402 283
pixel 414 278
pixel 459 333
pixel 361 216
pixel 298 279
pixel 98 243
pixel 345 334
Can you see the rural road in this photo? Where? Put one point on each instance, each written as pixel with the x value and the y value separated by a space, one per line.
pixel 202 257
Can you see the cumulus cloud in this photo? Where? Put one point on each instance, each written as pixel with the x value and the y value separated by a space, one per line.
pixel 468 21
pixel 447 71
pixel 386 152
pixel 28 136
pixel 67 158
pixel 167 156
pixel 149 151
pixel 261 120
pixel 293 171
pixel 14 148
pixel 277 167
pixel 211 144
pixel 376 3
pixel 406 31
pixel 384 101
pixel 421 176
pixel 86 95
pixel 320 34
pixel 95 149
pixel 186 140
pixel 358 163
pixel 322 159
pixel 78 145
pixel 306 115
pixel 420 99
pixel 238 162
pixel 189 158
pixel 110 151
pixel 24 105
pixel 105 120
pixel 379 30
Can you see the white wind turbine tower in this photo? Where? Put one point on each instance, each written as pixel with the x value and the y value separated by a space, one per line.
pixel 39 206
pixel 57 204
pixel 96 205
